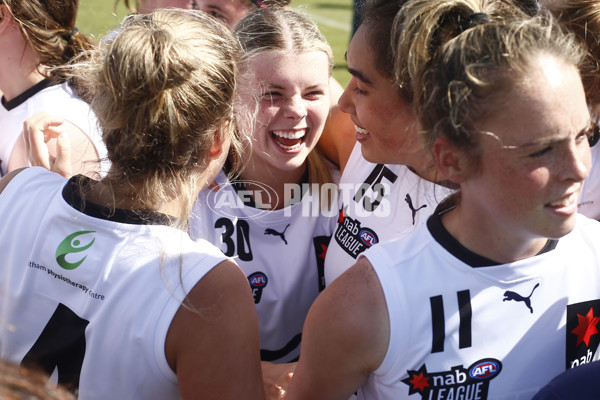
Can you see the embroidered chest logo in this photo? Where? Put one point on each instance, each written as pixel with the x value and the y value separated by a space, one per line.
pixel 258 281
pixel 508 296
pixel 273 232
pixel 72 245
pixel 458 383
pixel 352 237
pixel 412 208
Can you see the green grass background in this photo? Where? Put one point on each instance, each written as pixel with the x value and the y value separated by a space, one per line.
pixel 334 18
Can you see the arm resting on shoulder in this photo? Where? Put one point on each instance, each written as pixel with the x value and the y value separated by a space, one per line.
pixel 338 137
pixel 344 339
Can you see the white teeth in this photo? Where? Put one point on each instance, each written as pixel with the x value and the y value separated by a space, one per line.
pixel 283 146
pixel 298 134
pixel 361 130
pixel 566 201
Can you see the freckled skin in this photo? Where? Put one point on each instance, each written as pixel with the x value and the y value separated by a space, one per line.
pixel 515 199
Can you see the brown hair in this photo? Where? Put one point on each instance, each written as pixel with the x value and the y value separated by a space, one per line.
pixel 49 28
pixel 582 17
pixel 378 18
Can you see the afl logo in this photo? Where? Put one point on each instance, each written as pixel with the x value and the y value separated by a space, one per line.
pixel 368 237
pixel 258 280
pixel 485 369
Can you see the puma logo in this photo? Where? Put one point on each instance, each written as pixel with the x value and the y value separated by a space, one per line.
pixel 412 208
pixel 508 295
pixel 273 232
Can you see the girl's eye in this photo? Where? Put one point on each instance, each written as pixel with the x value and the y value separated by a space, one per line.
pixel 271 96
pixel 217 15
pixel 316 94
pixel 360 91
pixel 540 152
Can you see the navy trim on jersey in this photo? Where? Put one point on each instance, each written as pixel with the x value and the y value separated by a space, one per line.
pixel 117 215
pixel 453 246
pixel 29 93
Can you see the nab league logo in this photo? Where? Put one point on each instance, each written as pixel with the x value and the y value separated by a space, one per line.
pixel 72 245
pixel 352 237
pixel 458 383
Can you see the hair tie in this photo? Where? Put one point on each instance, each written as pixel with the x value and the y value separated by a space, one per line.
pixel 472 20
pixel 67 36
pixel 260 3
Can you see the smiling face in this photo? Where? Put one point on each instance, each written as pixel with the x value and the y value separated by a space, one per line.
pixel 385 124
pixel 228 11
pixel 526 187
pixel 293 103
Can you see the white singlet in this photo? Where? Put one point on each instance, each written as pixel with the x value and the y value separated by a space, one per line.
pixel 464 327
pixel 91 298
pixel 282 253
pixel 59 100
pixel 377 202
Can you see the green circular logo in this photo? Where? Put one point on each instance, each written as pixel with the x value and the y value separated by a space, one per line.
pixel 72 245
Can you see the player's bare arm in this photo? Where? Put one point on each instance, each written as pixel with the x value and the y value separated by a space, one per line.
pixel 345 337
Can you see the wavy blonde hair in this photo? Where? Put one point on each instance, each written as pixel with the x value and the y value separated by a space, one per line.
pixel 162 90
pixel 461 57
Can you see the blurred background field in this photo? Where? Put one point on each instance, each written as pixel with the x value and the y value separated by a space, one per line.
pixel 334 18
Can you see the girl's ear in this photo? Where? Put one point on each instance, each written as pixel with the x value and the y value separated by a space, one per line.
pixel 452 163
pixel 221 143
pixel 7 21
pixel 4 16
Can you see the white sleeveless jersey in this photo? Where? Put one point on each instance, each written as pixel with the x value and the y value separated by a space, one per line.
pixel 59 100
pixel 463 327
pixel 282 253
pixel 377 202
pixel 91 299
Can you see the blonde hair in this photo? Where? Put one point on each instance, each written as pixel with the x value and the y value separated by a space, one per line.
pixel 291 32
pixel 162 90
pixel 422 26
pixel 22 383
pixel 49 28
pixel 466 56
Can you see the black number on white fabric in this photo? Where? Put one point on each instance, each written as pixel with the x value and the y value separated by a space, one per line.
pixel 438 321
pixel 61 346
pixel 373 181
pixel 241 230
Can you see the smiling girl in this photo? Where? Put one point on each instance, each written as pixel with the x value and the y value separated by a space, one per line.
pixel 270 216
